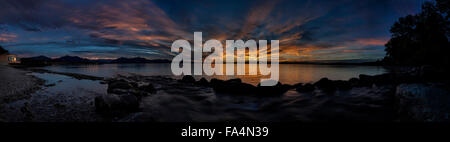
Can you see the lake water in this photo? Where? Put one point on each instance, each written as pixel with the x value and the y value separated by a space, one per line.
pixel 288 73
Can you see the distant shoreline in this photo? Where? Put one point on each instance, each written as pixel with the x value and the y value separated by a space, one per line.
pixel 44 61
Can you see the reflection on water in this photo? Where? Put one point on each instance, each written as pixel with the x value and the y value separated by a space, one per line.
pixel 289 73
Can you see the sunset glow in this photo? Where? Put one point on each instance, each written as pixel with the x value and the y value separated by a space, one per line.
pixel 307 31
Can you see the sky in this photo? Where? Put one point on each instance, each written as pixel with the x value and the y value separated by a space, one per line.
pixel 308 30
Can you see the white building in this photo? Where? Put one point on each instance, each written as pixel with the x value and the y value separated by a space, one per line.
pixel 6 59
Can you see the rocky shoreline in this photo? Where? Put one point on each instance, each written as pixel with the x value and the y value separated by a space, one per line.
pixel 418 95
pixel 16 84
pixel 413 96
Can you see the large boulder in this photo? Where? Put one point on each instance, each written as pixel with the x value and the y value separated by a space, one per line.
pixel 305 88
pixel 354 82
pixel 202 82
pixel 233 87
pixel 342 85
pixel 115 104
pixel 118 86
pixel 278 89
pixel 148 88
pixel 216 82
pixel 384 79
pixel 423 102
pixel 123 96
pixel 188 79
pixel 366 80
pixel 325 84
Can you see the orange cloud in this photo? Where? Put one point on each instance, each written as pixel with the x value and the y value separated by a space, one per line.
pixel 138 20
pixel 256 16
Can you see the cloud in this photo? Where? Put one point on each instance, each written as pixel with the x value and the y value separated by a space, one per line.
pixel 139 21
pixel 306 29
pixel 372 41
pixel 5 37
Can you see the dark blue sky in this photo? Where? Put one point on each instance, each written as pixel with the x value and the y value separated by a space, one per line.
pixel 307 29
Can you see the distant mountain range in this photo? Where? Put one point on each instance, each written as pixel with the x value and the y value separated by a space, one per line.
pixel 43 60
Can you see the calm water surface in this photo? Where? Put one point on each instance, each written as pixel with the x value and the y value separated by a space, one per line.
pixel 289 73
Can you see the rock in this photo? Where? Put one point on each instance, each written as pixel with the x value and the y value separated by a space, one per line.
pixel 276 90
pixel 216 82
pixel 286 87
pixel 305 88
pixel 26 111
pixel 123 97
pixel 148 88
pixel 384 79
pixel 106 102
pixel 138 93
pixel 233 87
pixel 203 82
pixel 115 85
pixel 354 82
pixel 422 102
pixel 297 85
pixel 134 84
pixel 325 84
pixel 129 102
pixel 50 85
pixel 365 80
pixel 59 106
pixel 113 103
pixel 188 79
pixel 342 85
pixel 234 81
pixel 117 91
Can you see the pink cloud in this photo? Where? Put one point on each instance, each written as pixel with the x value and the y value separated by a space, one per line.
pixel 372 41
pixel 6 37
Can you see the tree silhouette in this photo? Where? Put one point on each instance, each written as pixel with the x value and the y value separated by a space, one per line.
pixel 3 51
pixel 421 39
pixel 444 7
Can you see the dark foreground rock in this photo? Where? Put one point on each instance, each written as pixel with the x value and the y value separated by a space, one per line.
pixel 304 88
pixel 116 104
pixel 188 79
pixel 387 97
pixel 123 96
pixel 234 87
pixel 325 84
pixel 423 102
pixel 203 82
pixel 277 90
pixel 237 87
